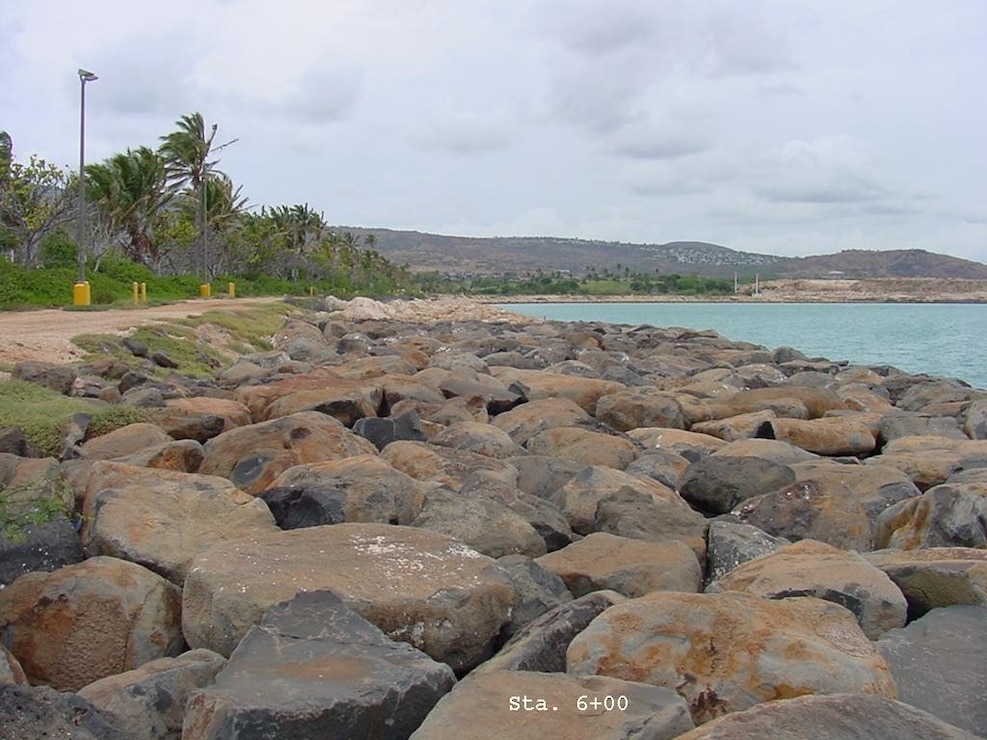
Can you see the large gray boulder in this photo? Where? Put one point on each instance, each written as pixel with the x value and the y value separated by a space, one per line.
pixel 315 668
pixel 716 485
pixel 149 702
pixel 418 586
pixel 938 663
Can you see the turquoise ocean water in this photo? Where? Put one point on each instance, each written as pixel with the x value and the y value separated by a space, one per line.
pixel 940 339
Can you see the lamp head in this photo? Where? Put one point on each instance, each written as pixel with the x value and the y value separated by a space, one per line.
pixel 87 76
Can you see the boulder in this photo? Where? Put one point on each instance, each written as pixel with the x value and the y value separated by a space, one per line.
pixel 774 450
pixel 897 424
pixel 536 706
pixel 451 467
pixel 664 466
pixel 676 440
pixel 528 419
pixel 541 644
pixel 715 485
pixel 727 652
pixel 184 455
pixel 343 399
pixel 579 498
pixel 543 516
pixel 315 668
pixel 825 510
pixel 452 601
pixel 975 420
pixel 253 456
pixel 364 488
pixel 127 440
pixel 810 568
pixel 640 407
pixel 835 717
pixel 629 567
pixel 938 664
pixel 541 476
pixel 483 439
pixel 730 542
pixel 482 523
pixel 928 460
pixel 585 446
pixel 627 514
pixel 149 702
pixel 43 712
pixel 830 435
pixel 10 668
pixel 816 401
pixel 382 432
pixel 59 378
pixel 736 427
pixel 163 519
pixel 585 392
pixel 536 591
pixel 90 620
pixel 947 515
pixel 200 417
pixel 39 547
pixel 876 487
pixel 935 577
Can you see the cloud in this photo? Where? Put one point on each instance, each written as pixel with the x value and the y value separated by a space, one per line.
pixel 467 132
pixel 139 77
pixel 826 170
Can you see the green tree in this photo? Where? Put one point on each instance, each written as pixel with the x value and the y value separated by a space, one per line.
pixel 186 153
pixel 35 199
pixel 225 207
pixel 129 191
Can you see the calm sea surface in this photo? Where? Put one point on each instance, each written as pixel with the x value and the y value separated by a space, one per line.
pixel 940 339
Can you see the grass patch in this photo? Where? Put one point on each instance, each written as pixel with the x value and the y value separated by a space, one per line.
pixel 227 334
pixel 43 414
pixel 32 503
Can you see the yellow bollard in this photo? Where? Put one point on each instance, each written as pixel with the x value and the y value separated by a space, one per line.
pixel 80 294
pixel 133 292
pixel 231 290
pixel 89 294
pixel 143 292
pixel 205 290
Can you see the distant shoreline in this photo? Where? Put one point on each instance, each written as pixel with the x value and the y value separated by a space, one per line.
pixel 869 290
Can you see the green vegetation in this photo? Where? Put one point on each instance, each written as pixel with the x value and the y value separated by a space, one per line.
pixel 43 414
pixel 593 284
pixel 31 503
pixel 168 217
pixel 199 345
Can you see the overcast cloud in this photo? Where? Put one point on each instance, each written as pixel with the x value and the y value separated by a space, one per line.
pixel 763 125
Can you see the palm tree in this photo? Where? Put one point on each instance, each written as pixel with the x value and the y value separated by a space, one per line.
pixel 224 210
pixel 187 153
pixel 129 190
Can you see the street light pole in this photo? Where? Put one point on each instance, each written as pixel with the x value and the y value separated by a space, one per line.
pixel 80 293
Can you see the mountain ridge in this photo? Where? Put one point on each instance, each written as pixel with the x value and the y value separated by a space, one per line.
pixel 423 251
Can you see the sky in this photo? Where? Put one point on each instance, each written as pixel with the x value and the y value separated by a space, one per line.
pixel 767 126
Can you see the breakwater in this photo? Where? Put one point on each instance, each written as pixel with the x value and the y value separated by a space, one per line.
pixel 410 524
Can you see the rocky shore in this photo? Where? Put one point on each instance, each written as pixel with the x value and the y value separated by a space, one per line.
pixel 419 519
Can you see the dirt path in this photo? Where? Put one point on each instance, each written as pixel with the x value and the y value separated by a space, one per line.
pixel 46 334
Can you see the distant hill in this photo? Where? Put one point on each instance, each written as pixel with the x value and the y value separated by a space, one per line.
pixel 497 255
pixel 896 263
